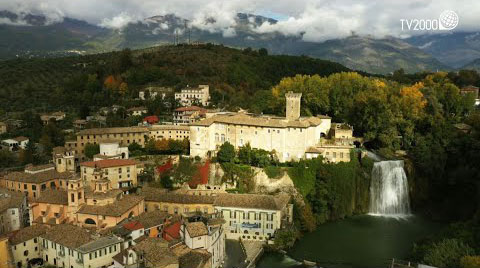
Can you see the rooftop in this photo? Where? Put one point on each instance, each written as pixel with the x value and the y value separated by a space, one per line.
pixel 76 237
pixel 39 177
pixel 169 127
pixel 195 258
pixel 190 108
pixel 20 138
pixel 254 201
pixel 160 195
pixel 113 130
pixel 156 252
pixel 10 199
pixel 107 163
pixel 27 233
pixel 116 209
pixel 150 219
pixel 99 243
pixel 51 196
pixel 261 120
pixel 196 229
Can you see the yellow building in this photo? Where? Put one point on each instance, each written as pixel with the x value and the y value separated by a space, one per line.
pixel 122 173
pixel 6 259
pixel 174 132
pixel 176 203
pixel 25 244
pixel 123 135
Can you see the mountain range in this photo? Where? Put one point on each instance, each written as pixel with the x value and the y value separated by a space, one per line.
pixel 29 35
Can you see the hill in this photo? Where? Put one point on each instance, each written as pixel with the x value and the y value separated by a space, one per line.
pixel 73 36
pixel 473 65
pixel 70 82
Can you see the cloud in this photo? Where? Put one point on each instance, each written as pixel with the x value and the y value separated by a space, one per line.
pixel 312 20
pixel 118 22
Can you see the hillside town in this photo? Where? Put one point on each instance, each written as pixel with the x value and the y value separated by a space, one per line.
pixel 97 210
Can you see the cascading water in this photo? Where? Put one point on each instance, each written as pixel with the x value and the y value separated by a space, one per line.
pixel 389 189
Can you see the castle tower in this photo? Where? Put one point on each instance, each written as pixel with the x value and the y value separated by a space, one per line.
pixel 293 105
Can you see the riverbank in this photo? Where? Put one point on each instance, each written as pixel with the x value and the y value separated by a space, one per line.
pixel 359 241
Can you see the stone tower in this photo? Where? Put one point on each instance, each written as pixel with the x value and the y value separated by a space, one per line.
pixel 76 195
pixel 293 105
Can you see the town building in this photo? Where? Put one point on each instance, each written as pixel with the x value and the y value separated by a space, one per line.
pixel 137 111
pixel 71 246
pixel 176 203
pixel 174 132
pixel 123 135
pixel 57 116
pixel 288 136
pixel 253 216
pixel 203 232
pixel 14 213
pixel 121 173
pixel 34 180
pixel 149 253
pixel 193 96
pixel 3 127
pixel 150 120
pixel 187 115
pixel 64 159
pixel 471 90
pixel 336 146
pixel 80 123
pixel 25 245
pixel 97 207
pixel 10 144
pixel 22 142
pixel 152 92
pixel 111 150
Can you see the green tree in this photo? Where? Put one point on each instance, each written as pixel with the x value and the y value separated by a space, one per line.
pixel 447 253
pixel 226 153
pixel 91 150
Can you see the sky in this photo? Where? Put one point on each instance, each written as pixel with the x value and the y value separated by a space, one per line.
pixel 313 20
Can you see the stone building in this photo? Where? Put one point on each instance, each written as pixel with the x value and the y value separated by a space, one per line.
pixel 25 244
pixel 174 132
pixel 34 180
pixel 14 213
pixel 253 216
pixel 187 115
pixel 64 159
pixel 123 135
pixel 289 136
pixel 121 173
pixel 191 96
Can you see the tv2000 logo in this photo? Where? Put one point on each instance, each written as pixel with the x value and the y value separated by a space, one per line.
pixel 448 20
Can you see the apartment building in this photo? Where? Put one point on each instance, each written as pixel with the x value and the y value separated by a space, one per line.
pixel 174 132
pixel 176 203
pixel 190 96
pixel 123 135
pixel 121 173
pixel 187 115
pixel 25 244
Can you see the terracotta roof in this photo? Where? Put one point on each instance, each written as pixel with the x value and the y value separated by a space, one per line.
pixel 76 237
pixel 133 225
pixel 160 195
pixel 113 130
pixel 150 219
pixel 21 138
pixel 51 196
pixel 39 177
pixel 156 252
pixel 27 233
pixel 255 201
pixel 261 120
pixel 194 258
pixel 39 167
pixel 169 127
pixel 106 163
pixel 172 231
pixel 10 199
pixel 196 228
pixel 116 209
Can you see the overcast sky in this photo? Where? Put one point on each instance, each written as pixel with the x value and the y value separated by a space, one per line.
pixel 318 20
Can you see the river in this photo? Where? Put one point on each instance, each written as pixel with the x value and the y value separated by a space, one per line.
pixel 359 241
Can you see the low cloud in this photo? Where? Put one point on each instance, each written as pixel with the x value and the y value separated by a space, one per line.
pixel 312 20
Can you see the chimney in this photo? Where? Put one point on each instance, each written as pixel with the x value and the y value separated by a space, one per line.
pixel 293 105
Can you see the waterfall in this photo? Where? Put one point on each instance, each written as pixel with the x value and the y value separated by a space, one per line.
pixel 389 189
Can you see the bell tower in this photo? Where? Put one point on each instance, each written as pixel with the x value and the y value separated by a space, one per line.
pixel 293 105
pixel 76 195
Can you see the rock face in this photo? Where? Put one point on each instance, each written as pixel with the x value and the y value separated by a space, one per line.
pixel 265 185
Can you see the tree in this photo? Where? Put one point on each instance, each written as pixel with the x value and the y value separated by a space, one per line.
pixel 285 238
pixel 226 153
pixel 447 253
pixel 29 154
pixel 263 52
pixel 91 150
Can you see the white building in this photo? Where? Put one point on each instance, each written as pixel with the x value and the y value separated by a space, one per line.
pixel 25 244
pixel 71 246
pixel 22 141
pixel 14 213
pixel 153 92
pixel 111 150
pixel 10 144
pixel 209 236
pixel 137 111
pixel 289 136
pixel 191 96
pixel 253 216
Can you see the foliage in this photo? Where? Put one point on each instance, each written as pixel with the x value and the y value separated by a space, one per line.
pixel 226 153
pixel 91 150
pixel 470 262
pixel 273 171
pixel 447 253
pixel 241 174
pixel 8 159
pixel 285 238
pixel 184 170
